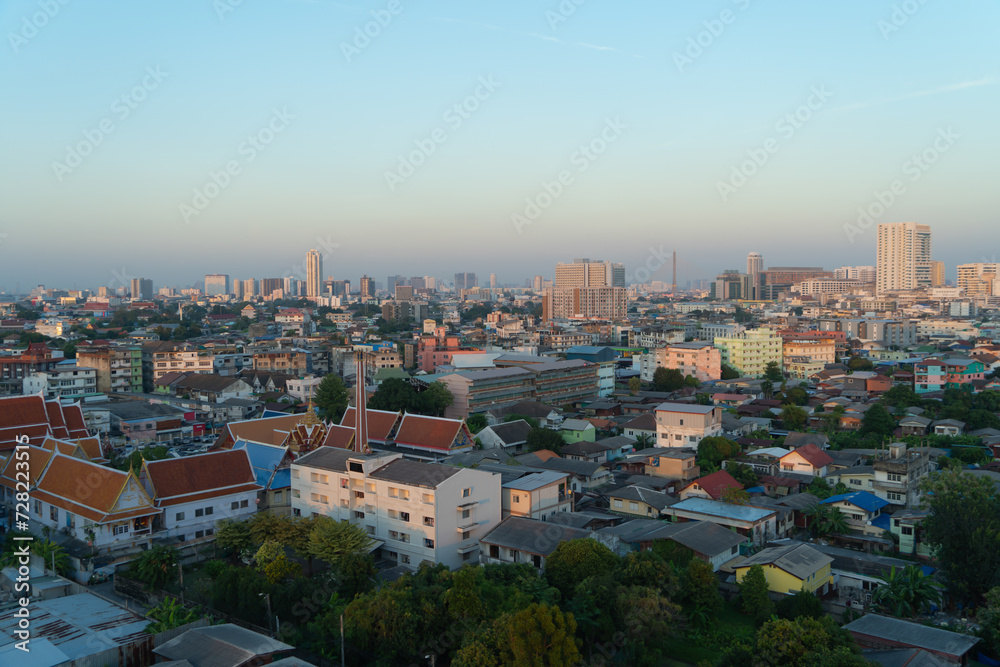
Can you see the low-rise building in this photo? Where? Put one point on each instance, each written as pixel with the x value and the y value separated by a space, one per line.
pixel 685 424
pixel 757 524
pixel 791 568
pixel 703 361
pixel 537 495
pixel 522 540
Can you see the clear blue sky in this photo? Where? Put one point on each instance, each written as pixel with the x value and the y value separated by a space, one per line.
pixel 681 130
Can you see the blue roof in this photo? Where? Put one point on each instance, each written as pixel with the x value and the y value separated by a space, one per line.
pixel 882 521
pixel 263 458
pixel 282 479
pixel 866 501
pixel 722 509
pixel 756 489
pixel 272 413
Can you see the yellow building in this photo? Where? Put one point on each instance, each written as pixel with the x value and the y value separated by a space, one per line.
pixel 802 358
pixel 790 569
pixel 749 352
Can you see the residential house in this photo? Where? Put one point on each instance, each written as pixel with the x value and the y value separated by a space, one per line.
pixel 672 463
pixel 886 633
pixel 758 524
pixel 583 450
pixel 791 568
pixel 710 542
pixel 639 501
pixel 914 425
pixel 522 540
pixel 506 435
pixel 685 424
pixel 712 486
pixel 537 495
pixel 907 526
pixel 547 415
pixel 806 460
pixel 619 446
pixel 951 427
pixel 575 430
pixel 417 511
pixel 862 511
pixel 194 492
pixel 642 428
pixel 929 375
pixel 585 475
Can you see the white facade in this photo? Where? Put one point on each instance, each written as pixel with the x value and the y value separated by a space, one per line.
pixel 63 380
pixel 418 511
pixel 903 256
pixel 195 519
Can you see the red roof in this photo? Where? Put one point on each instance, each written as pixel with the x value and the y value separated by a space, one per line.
pixel 341 437
pixel 380 423
pixel 716 483
pixel 31 416
pixel 214 474
pixel 430 432
pixel 815 456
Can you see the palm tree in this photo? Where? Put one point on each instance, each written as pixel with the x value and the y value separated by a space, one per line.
pixel 767 387
pixel 827 520
pixel 907 592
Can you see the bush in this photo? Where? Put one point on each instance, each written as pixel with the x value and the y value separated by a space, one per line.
pixel 214 568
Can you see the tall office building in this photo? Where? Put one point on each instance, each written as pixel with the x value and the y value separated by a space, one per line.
pixel 339 288
pixel 314 273
pixel 141 288
pixel 903 256
pixel 269 285
pixel 367 287
pixel 755 269
pixel 536 284
pixel 216 284
pixel 249 288
pixel 587 289
pixel 465 281
pixel 493 281
pixel 979 279
pixel 755 263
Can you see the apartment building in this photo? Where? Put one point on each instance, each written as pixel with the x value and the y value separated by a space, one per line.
pixel 903 256
pixel 702 360
pixel 36 358
pixel 603 358
pixel 979 279
pixel 802 358
pixel 537 495
pixel 751 351
pixel 416 511
pixel 119 368
pixel 290 361
pixel 479 391
pixel 179 357
pixel 438 350
pixel 65 380
pixel 685 424
pixel 561 382
pixel 900 333
pixel 898 472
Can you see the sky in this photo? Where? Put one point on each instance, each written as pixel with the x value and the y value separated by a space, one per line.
pixel 172 139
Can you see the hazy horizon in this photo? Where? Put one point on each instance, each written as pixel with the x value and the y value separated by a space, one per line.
pixel 168 96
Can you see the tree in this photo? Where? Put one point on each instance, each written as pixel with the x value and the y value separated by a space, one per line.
pixel 667 379
pixel 772 371
pixel 805 642
pixel 540 635
pixel 988 618
pixel 575 560
pixel 796 396
pixel 476 422
pixel 907 592
pixel 793 417
pixel 544 438
pixel 331 398
pixel 729 373
pixel 700 588
pixel 755 600
pixel 827 520
pixel 691 381
pixel 877 421
pixel 767 388
pixel 169 614
pixel 964 527
pixel 332 540
pixel 155 567
pixel 634 385
pixel 743 474
pixel 233 535
pixel 714 449
pixel 394 395
pixel 434 400
pixel 803 603
pixel 859 363
pixel 735 496
pixel 51 552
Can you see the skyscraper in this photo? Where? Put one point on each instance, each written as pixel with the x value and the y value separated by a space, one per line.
pixel 493 281
pixel 216 284
pixel 465 281
pixel 314 273
pixel 367 287
pixel 903 258
pixel 141 288
pixel 755 263
pixel 586 289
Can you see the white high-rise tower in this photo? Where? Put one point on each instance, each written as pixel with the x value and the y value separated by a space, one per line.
pixel 903 260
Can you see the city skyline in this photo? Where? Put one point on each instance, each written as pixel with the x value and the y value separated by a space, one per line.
pixel 591 117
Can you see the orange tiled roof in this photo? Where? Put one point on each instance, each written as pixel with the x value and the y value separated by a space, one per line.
pixel 38 458
pixel 380 423
pixel 341 437
pixel 214 473
pixel 429 432
pixel 74 421
pixel 92 448
pixel 267 431
pixel 86 489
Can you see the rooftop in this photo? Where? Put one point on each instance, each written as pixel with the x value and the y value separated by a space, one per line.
pixel 912 634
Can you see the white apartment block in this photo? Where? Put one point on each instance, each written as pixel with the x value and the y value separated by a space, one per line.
pixel 903 256
pixel 751 351
pixel 416 511
pixel 63 380
pixel 685 424
pixel 979 279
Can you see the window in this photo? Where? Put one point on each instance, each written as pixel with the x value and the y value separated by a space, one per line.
pixel 179 516
pixel 359 515
pixel 633 506
pixel 618 502
pixel 296 511
pixel 466 534
pixel 54 513
pixel 38 508
pixel 907 530
pixel 466 514
pixel 296 493
pixel 199 512
pixel 466 492
pixel 404 516
pixel 199 533
pixel 277 496
pixel 209 531
pixel 243 505
pixel 404 559
pixel 234 505
pixel 855 482
pixel 359 494
pixel 429 543
pixel 120 529
pixel 682 422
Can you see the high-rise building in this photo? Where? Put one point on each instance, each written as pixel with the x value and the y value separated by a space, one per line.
pixel 367 287
pixel 141 288
pixel 270 285
pixel 465 281
pixel 493 281
pixel 339 288
pixel 903 256
pixel 937 273
pixel 249 288
pixel 755 263
pixel 587 289
pixel 979 279
pixel 537 284
pixel 314 273
pixel 216 284
pixel 392 281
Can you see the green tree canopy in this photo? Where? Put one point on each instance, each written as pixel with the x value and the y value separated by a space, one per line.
pixel 772 371
pixel 793 417
pixel 877 421
pixel 755 600
pixel 667 379
pixel 331 398
pixel 729 373
pixel 575 560
pixel 332 540
pixel 544 438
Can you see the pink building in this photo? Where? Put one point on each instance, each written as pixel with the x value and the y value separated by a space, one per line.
pixel 439 349
pixel 702 360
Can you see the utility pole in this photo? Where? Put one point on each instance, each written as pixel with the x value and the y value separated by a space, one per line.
pixel 180 571
pixel 270 620
pixel 343 661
